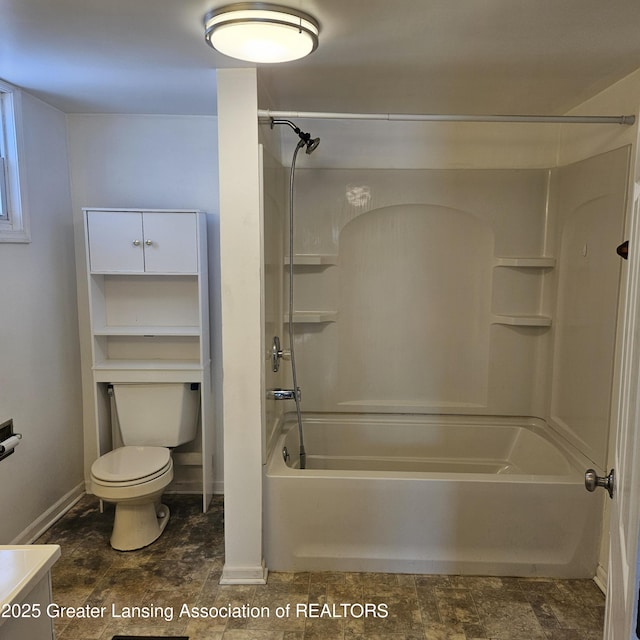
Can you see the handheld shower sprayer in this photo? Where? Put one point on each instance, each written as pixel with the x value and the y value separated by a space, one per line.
pixel 311 145
pixel 306 140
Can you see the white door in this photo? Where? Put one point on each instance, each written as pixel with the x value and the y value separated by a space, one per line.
pixel 170 242
pixel 116 243
pixel 622 587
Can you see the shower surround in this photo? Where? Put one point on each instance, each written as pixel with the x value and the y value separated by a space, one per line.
pixel 420 314
pixel 448 297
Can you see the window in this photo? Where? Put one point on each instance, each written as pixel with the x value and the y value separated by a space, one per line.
pixel 14 223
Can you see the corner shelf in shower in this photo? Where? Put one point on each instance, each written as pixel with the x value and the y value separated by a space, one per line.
pixel 521 320
pixel 313 259
pixel 312 317
pixel 530 264
pixel 542 262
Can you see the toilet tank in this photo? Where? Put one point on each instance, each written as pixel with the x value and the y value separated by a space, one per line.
pixel 157 414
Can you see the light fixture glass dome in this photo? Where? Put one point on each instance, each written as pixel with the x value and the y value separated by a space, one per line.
pixel 259 32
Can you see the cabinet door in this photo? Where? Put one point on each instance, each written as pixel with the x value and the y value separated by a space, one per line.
pixel 170 242
pixel 115 241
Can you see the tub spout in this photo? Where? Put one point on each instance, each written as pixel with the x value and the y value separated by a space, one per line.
pixel 283 394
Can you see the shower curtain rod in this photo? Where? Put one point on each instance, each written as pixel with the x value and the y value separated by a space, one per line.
pixel 407 117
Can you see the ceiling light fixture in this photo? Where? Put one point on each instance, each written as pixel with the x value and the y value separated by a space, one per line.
pixel 260 32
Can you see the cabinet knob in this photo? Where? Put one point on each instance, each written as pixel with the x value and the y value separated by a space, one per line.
pixel 148 242
pixel 136 243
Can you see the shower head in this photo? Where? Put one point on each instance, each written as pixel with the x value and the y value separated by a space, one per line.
pixel 305 138
pixel 312 145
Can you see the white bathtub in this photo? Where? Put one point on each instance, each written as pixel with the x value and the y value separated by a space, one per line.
pixel 430 494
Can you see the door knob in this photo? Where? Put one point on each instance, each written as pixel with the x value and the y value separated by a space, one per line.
pixel 592 481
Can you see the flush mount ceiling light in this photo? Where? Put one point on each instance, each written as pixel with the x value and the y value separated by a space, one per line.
pixel 260 32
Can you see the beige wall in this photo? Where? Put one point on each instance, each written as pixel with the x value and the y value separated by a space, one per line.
pixel 40 361
pixel 578 142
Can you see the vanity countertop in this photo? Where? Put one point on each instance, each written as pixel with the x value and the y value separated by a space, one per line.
pixel 22 567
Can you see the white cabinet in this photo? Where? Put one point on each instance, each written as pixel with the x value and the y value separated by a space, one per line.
pixel 142 241
pixel 148 313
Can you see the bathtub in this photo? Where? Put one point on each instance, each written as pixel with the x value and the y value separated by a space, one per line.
pixel 429 494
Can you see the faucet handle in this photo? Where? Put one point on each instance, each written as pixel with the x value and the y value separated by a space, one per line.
pixel 276 354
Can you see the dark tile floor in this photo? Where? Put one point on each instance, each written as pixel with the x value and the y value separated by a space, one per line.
pixel 159 589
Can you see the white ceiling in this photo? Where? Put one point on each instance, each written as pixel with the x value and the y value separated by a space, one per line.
pixel 413 56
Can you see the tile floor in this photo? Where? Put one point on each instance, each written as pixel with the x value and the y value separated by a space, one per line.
pixel 145 592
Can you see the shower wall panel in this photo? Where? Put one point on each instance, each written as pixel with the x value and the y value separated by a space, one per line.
pixel 409 293
pixel 274 208
pixel 589 205
pixel 414 307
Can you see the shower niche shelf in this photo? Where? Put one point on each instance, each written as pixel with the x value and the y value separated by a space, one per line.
pixel 517 290
pixel 148 315
pixel 542 262
pixel 521 320
pixel 317 286
pixel 312 260
pixel 312 317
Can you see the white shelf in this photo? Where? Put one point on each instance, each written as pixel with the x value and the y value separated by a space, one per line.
pixel 113 376
pixel 312 317
pixel 542 262
pixel 148 365
pixel 313 259
pixel 147 331
pixel 522 320
pixel 145 274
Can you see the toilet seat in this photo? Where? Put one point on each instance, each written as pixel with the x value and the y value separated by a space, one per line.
pixel 128 466
pixel 134 479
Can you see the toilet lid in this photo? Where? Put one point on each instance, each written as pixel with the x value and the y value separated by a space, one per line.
pixel 130 463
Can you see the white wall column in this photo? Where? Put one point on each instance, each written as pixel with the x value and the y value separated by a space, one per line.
pixel 242 349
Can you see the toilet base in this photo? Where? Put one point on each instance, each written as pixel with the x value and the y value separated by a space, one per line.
pixel 137 525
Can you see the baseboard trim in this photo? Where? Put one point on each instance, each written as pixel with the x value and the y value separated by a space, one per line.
pixel 601 579
pixel 50 516
pixel 244 575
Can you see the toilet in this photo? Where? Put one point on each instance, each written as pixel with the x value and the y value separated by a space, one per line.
pixel 151 418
